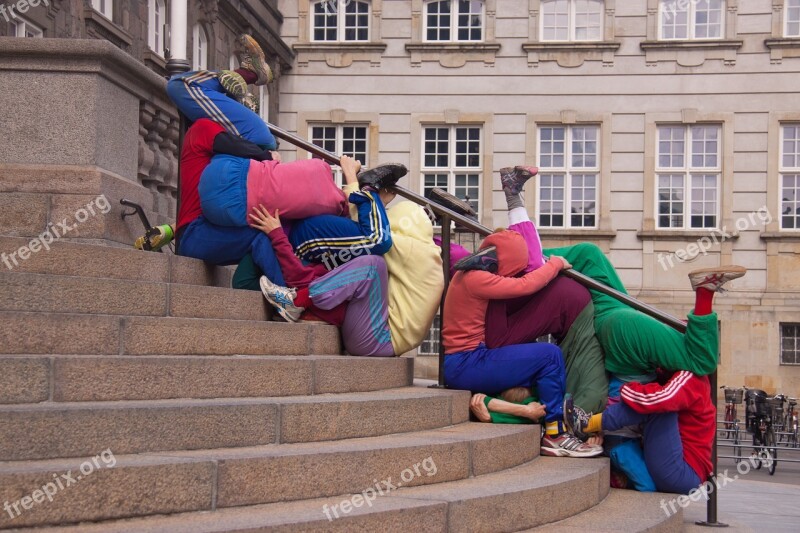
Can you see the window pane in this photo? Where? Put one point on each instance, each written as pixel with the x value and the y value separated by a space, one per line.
pixel 552 147
pixel 555 20
pixel 583 204
pixel 584 147
pixel 705 146
pixel 437 147
pixel 437 21
pixel 468 185
pixel 790 344
pixel 674 19
pixel 790 201
pixel 790 150
pixel 325 21
pixel 670 200
pixel 792 18
pixel 324 137
pixel 354 143
pixel 671 146
pixel 470 20
pixel 468 147
pixel 588 20
pixel 551 204
pixel 708 19
pixel 356 21
pixel 704 200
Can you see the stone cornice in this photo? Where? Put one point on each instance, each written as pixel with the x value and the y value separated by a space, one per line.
pixel 571 46
pixel 721 44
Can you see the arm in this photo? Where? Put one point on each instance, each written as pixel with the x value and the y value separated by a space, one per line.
pixel 493 287
pixel 483 407
pixel 676 395
pixel 226 143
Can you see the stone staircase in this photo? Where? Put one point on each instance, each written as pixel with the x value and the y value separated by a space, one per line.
pixel 202 415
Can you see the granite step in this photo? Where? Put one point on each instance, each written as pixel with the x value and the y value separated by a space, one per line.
pixel 173 482
pixel 76 378
pixel 539 492
pixel 88 334
pixel 79 429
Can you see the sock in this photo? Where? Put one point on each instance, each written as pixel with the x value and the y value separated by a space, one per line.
pixel 703 300
pixel 554 428
pixel 595 424
pixel 514 201
pixel 303 299
pixel 249 76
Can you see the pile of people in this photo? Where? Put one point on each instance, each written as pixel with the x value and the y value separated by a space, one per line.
pixel 617 382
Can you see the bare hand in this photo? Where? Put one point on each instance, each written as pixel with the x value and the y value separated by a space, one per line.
pixel 535 411
pixel 350 168
pixel 596 439
pixel 276 156
pixel 261 219
pixel 479 409
pixel 566 263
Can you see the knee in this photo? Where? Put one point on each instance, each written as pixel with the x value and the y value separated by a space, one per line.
pixel 588 249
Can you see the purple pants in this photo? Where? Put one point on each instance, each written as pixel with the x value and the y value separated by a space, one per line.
pixel 364 283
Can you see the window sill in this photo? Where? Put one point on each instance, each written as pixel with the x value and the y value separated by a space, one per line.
pixel 155 61
pixel 96 20
pixel 691 53
pixel 453 54
pixel 782 47
pixel 339 54
pixel 792 236
pixel 684 235
pixel 579 234
pixel 571 54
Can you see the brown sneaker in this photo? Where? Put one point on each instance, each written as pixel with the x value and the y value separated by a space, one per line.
pixel 514 178
pixel 233 83
pixel 713 279
pixel 251 57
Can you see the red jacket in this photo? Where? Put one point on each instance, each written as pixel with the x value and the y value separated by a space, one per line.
pixel 690 396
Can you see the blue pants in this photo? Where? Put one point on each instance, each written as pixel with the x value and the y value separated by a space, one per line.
pixel 199 95
pixel 663 449
pixel 491 371
pixel 223 190
pixel 334 240
pixel 221 245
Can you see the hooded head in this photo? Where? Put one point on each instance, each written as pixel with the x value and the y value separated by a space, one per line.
pixel 410 220
pixel 512 252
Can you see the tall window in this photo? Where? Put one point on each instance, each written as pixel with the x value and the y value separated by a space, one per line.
pixel 105 7
pixel 791 26
pixel 688 170
pixel 452 160
pixel 340 20
pixel 454 20
pixel 790 176
pixel 157 19
pixel 790 344
pixel 698 19
pixel 19 27
pixel 199 48
pixel 263 103
pixel 346 139
pixel 572 20
pixel 569 170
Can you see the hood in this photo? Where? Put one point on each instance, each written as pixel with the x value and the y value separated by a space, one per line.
pixel 512 252
pixel 409 219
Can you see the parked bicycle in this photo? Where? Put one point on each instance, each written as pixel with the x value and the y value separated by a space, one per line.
pixel 788 434
pixel 733 398
pixel 759 423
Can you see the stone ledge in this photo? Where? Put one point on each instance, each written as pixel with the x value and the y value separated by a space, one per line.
pixel 718 44
pixel 682 235
pixel 784 43
pixel 453 54
pixel 571 46
pixel 785 236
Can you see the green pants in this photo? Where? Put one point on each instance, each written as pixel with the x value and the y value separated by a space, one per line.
pixel 635 343
pixel 587 379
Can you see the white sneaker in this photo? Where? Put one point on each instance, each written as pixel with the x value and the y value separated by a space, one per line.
pixel 282 299
pixel 567 445
pixel 713 279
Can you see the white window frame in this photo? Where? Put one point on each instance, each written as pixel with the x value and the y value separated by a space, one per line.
pixel 156 25
pixel 687 171
pixel 568 170
pixel 572 27
pixel 454 16
pixel 791 6
pixel 263 103
pixel 341 20
pixel 104 7
pixel 784 171
pixel 451 169
pixel 22 26
pixel 339 143
pixel 691 6
pixel 199 47
pixel 796 342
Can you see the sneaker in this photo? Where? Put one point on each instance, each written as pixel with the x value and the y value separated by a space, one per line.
pixel 567 445
pixel 713 279
pixel 251 57
pixel 250 101
pixel 445 199
pixel 282 299
pixel 575 418
pixel 233 83
pixel 381 176
pixel 514 178
pixel 485 259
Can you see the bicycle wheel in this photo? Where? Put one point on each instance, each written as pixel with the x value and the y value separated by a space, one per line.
pixel 757 450
pixel 728 423
pixel 773 450
pixel 737 449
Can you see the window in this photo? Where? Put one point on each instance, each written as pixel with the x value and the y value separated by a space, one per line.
pixel 792 18
pixel 452 160
pixel 263 102
pixel 346 139
pixel 430 345
pixel 454 20
pixel 19 27
pixel 572 20
pixel 199 48
pixel 698 19
pixel 790 176
pixel 104 7
pixel 340 20
pixel 156 22
pixel 688 169
pixel 790 344
pixel 569 168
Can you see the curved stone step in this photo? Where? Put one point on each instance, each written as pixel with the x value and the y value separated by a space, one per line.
pixel 52 430
pixel 76 378
pixel 536 493
pixel 173 482
pixel 623 510
pixel 86 334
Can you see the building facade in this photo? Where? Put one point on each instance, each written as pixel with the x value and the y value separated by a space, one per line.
pixel 667 132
